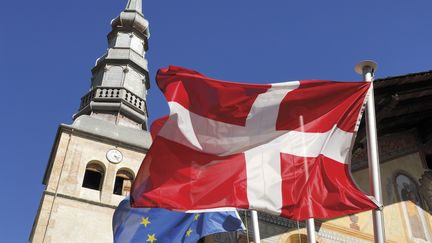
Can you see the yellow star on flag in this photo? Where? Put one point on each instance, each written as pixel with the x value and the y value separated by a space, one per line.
pixel 196 217
pixel 188 232
pixel 151 238
pixel 145 221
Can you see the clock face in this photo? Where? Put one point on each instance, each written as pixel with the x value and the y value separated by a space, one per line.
pixel 114 156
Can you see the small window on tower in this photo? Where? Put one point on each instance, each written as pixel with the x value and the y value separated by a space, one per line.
pixel 93 177
pixel 123 183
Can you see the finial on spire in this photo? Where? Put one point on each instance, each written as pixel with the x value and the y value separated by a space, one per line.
pixel 133 17
pixel 134 5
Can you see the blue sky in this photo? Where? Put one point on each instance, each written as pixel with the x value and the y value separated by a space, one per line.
pixel 47 49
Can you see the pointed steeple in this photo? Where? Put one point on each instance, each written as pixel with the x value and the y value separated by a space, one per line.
pixel 134 5
pixel 120 77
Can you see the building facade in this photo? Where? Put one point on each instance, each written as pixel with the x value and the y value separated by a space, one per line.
pixel 95 159
pixel 404 115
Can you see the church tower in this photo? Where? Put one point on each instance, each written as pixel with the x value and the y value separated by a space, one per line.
pixel 94 161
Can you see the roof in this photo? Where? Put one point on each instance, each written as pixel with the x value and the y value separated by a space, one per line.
pixel 402 103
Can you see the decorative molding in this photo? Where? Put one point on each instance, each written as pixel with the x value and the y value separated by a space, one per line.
pixel 389 147
pixel 326 230
pixel 425 188
pixel 79 199
pixel 324 234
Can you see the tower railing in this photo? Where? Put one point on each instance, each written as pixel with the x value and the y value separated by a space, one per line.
pixel 113 94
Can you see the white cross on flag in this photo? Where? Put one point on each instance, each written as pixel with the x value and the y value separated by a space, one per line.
pixel 280 148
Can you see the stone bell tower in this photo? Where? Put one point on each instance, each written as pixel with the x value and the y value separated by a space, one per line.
pixel 94 161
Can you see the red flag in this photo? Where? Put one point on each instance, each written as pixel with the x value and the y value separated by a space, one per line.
pixel 280 148
pixel 157 125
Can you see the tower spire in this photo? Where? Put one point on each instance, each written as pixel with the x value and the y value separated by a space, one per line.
pixel 134 5
pixel 87 173
pixel 120 79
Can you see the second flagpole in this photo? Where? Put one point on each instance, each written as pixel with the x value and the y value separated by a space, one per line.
pixel 366 69
pixel 310 228
pixel 310 222
pixel 256 233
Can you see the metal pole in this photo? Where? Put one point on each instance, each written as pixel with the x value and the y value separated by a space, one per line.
pixel 310 223
pixel 256 233
pixel 367 68
pixel 310 227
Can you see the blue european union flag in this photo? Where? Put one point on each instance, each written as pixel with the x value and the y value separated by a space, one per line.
pixel 158 225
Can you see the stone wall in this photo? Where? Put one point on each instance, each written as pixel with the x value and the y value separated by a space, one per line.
pixel 70 212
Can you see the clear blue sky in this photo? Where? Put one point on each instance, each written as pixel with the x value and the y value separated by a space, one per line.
pixel 47 49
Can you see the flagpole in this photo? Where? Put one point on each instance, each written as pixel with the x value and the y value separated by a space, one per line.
pixel 310 222
pixel 255 227
pixel 366 69
pixel 310 227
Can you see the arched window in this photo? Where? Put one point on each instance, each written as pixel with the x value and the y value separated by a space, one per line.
pixel 93 176
pixel 123 182
pixel 411 202
pixel 297 238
